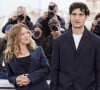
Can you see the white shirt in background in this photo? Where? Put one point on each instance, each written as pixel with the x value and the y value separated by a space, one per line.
pixel 77 39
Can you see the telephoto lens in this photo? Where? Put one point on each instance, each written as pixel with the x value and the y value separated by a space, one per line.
pixel 54 27
pixel 20 17
pixel 36 33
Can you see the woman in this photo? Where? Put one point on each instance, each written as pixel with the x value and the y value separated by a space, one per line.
pixel 26 63
pixel 38 34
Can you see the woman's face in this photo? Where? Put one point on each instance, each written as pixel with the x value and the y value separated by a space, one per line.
pixel 25 36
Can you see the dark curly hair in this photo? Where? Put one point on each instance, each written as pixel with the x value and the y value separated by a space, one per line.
pixel 83 7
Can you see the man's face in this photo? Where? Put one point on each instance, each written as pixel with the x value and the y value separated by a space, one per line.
pixel 21 11
pixel 77 18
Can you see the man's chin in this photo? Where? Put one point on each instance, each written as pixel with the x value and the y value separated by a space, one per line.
pixel 77 27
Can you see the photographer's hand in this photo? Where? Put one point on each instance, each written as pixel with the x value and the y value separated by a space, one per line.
pixel 55 34
pixel 94 24
pixel 45 14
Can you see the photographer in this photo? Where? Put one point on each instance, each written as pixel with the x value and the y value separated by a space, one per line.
pixel 96 25
pixel 21 19
pixel 21 12
pixel 38 34
pixel 56 31
pixel 18 17
pixel 52 12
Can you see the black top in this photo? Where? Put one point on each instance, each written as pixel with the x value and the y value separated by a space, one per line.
pixel 24 63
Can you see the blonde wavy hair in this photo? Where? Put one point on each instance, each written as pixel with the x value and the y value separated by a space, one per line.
pixel 13 41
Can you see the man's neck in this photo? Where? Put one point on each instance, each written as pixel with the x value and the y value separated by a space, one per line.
pixel 78 31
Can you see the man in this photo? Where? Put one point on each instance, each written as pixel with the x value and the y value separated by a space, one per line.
pixel 76 55
pixel 20 16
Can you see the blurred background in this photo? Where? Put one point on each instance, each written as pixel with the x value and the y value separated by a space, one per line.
pixel 35 9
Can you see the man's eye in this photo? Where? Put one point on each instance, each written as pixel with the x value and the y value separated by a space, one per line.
pixel 73 14
pixel 81 14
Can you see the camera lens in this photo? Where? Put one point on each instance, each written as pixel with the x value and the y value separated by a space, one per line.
pixel 36 33
pixel 51 14
pixel 54 27
pixel 20 17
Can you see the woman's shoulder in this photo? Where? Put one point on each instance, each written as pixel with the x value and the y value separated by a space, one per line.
pixel 39 48
pixel 38 51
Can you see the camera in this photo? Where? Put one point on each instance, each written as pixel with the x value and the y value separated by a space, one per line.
pixel 20 18
pixel 98 22
pixel 36 33
pixel 54 27
pixel 51 14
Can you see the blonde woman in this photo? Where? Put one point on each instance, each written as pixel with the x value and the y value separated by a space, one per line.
pixel 26 63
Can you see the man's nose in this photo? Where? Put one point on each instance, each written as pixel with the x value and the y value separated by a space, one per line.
pixel 77 17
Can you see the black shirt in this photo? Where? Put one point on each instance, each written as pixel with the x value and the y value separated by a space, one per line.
pixel 24 63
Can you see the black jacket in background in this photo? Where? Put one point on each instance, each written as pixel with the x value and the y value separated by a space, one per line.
pixel 97 30
pixel 44 23
pixel 11 21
